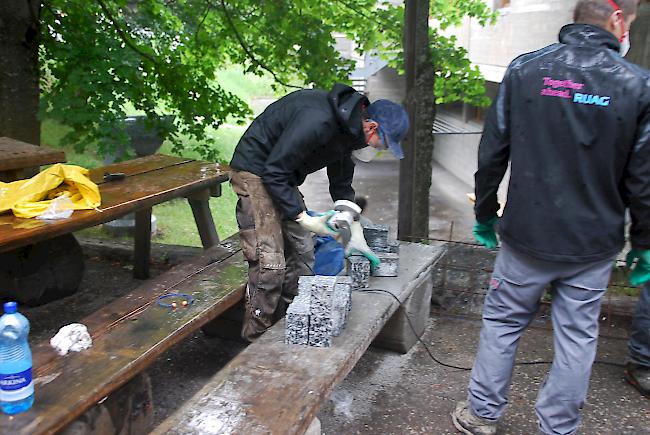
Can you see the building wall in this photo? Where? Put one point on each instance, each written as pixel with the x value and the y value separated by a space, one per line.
pixel 523 26
pixel 457 153
pixel 388 84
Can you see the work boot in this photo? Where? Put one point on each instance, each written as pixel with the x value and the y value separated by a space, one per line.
pixel 470 424
pixel 639 377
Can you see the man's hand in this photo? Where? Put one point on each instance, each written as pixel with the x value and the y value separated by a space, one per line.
pixel 484 233
pixel 641 271
pixel 358 245
pixel 317 224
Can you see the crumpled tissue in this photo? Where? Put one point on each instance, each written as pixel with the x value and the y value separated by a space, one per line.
pixel 73 337
pixel 60 208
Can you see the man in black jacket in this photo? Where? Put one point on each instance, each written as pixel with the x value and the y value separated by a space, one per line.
pixel 299 134
pixel 573 120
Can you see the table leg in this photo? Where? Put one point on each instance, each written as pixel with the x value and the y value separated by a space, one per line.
pixel 203 218
pixel 142 248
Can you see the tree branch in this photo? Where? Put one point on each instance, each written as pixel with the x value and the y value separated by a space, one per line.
pixel 208 7
pixel 123 36
pixel 354 9
pixel 249 53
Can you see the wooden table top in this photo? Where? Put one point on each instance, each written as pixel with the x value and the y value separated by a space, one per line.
pixel 149 181
pixel 15 155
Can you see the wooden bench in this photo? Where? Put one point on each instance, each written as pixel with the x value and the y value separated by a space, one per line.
pixel 19 160
pixel 276 388
pixel 128 334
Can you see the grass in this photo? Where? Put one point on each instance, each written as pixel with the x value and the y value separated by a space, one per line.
pixel 174 218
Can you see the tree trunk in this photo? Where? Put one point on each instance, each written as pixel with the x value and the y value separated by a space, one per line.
pixel 640 38
pixel 416 167
pixel 19 72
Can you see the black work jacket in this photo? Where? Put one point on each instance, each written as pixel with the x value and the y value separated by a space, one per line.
pixel 573 119
pixel 299 134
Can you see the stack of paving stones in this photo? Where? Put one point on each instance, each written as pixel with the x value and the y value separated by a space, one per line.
pixel 320 310
pixel 387 250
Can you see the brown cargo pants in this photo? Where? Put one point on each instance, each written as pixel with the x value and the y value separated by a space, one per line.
pixel 278 251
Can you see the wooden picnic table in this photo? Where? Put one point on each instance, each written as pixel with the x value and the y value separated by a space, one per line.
pixel 149 181
pixel 21 160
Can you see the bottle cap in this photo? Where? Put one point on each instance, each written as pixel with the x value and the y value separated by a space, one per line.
pixel 10 307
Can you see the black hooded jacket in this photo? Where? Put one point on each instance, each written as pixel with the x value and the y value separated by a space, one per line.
pixel 573 119
pixel 299 134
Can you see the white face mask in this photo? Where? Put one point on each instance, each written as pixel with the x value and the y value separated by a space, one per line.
pixel 365 154
pixel 625 44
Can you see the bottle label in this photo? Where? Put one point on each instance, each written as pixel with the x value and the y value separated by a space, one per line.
pixel 16 386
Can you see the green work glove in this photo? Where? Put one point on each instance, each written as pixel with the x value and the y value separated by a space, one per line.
pixel 641 271
pixel 317 224
pixel 484 233
pixel 358 245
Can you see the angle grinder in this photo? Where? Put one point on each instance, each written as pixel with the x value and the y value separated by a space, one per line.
pixel 346 213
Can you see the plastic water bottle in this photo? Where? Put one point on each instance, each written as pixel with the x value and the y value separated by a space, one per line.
pixel 16 385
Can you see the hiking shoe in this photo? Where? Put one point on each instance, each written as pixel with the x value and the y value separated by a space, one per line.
pixel 470 424
pixel 639 377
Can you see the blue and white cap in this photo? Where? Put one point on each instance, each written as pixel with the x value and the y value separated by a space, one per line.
pixel 393 122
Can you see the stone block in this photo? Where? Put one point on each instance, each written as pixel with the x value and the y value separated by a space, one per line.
pixel 376 237
pixel 310 316
pixel 459 279
pixel 358 268
pixel 467 303
pixel 320 318
pixel 344 283
pixel 389 265
pixel 439 277
pixel 297 320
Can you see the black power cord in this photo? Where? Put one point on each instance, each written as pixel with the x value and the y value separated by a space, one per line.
pixel 408 319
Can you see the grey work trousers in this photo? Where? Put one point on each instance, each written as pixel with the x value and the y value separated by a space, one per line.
pixel 639 344
pixel 516 288
pixel 278 252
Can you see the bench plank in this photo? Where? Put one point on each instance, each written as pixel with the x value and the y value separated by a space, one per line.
pixel 272 387
pixel 99 322
pixel 68 386
pixel 16 155
pixel 118 198
pixel 137 166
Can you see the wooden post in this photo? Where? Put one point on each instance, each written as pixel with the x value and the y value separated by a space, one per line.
pixel 142 250
pixel 203 217
pixel 416 167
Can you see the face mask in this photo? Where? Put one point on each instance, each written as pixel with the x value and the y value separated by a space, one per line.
pixel 365 154
pixel 625 44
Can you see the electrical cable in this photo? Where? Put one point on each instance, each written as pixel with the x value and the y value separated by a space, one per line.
pixel 426 347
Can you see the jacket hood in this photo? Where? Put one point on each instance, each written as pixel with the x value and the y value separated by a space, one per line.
pixel 588 35
pixel 348 104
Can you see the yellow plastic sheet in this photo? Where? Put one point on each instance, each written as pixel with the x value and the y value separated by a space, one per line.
pixel 32 197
